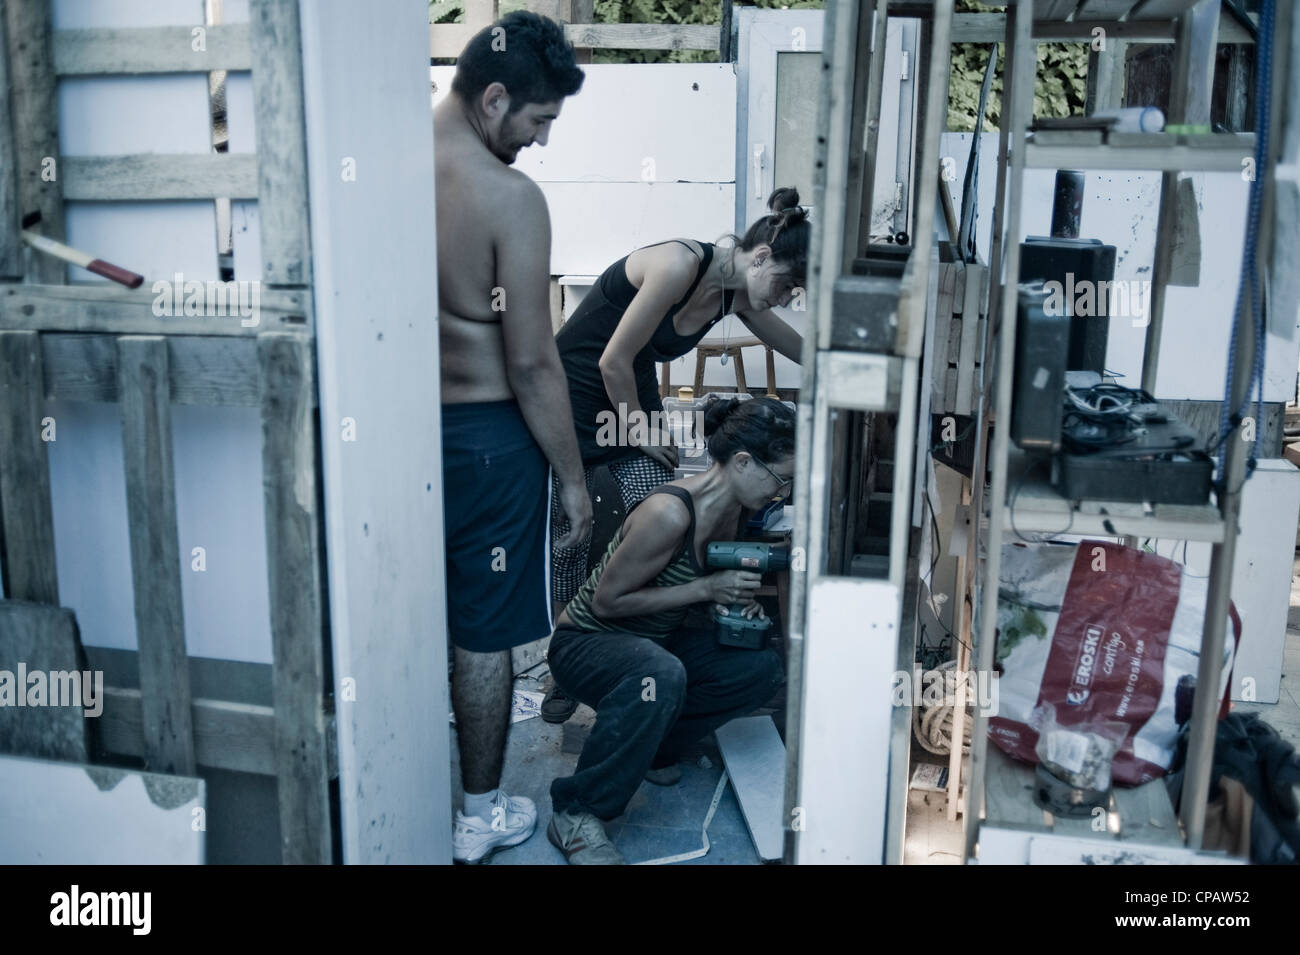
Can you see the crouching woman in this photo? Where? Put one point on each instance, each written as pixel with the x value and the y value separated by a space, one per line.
pixel 621 647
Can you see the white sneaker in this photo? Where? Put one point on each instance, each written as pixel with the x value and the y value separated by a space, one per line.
pixel 475 839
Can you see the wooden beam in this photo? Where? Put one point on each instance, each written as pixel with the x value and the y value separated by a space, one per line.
pixel 1238 93
pixel 151 176
pixel 26 515
pixel 234 736
pixel 1192 90
pixel 1103 9
pixel 584 11
pixel 11 244
pixel 108 309
pixel 725 53
pixel 990 27
pixel 1161 9
pixel 142 373
pixel 1055 9
pixel 35 126
pixel 642 36
pixel 448 40
pixel 203 371
pixel 1105 83
pixel 281 143
pixel 292 557
pixel 152 50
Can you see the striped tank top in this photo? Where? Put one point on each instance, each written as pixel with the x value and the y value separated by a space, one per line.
pixel 682 569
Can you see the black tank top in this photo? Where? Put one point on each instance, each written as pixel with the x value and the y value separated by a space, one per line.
pixel 583 338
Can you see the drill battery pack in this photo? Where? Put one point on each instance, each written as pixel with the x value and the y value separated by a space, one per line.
pixel 743 632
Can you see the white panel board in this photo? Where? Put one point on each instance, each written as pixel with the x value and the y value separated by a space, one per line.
pixel 594 224
pixel 69 814
pixel 377 353
pixel 120 115
pixel 156 239
pixel 850 654
pixel 755 759
pixel 234 11
pixel 241 124
pixel 1261 576
pixel 640 122
pixel 91 539
pixel 219 508
pixel 89 14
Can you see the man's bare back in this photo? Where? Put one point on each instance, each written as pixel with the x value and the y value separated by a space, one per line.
pixel 472 185
pixel 494 250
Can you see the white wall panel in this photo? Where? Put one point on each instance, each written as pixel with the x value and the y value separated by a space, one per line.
pixel 1261 576
pixel 681 117
pixel 594 224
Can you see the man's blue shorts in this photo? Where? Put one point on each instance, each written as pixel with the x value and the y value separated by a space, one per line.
pixel 496 509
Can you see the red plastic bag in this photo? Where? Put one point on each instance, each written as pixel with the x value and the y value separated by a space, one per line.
pixel 1101 632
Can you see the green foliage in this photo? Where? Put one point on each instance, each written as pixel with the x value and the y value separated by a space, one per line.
pixel 446 11
pixel 1017 622
pixel 1059 89
pixel 964 79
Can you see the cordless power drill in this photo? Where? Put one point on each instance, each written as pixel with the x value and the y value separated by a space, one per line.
pixel 735 629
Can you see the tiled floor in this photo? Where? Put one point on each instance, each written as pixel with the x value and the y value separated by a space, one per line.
pixel 660 820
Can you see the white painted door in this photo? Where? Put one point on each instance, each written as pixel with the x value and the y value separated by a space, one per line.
pixel 778 77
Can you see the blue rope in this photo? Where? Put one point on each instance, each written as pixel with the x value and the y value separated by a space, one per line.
pixel 1250 282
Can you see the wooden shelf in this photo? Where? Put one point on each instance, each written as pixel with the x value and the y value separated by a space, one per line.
pixel 1035 506
pixel 1088 149
pixel 1137 814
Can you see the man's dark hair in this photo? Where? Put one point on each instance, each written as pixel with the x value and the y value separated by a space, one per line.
pixel 524 52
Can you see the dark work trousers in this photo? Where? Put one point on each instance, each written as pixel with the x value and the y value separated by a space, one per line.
pixel 652 701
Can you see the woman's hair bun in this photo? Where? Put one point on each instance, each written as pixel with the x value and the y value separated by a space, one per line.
pixel 716 411
pixel 783 198
pixel 764 427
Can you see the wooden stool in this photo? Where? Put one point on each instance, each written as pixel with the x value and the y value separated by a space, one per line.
pixel 732 349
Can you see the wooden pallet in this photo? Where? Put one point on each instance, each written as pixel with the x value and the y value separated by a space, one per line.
pixel 105 344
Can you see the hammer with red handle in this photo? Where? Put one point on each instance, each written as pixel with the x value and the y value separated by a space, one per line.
pixel 49 246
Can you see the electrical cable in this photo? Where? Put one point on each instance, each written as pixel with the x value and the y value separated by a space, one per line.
pixel 1011 505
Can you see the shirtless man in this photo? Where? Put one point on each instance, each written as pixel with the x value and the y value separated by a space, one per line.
pixel 505 401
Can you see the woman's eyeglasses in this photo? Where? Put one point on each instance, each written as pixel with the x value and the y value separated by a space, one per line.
pixel 782 484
